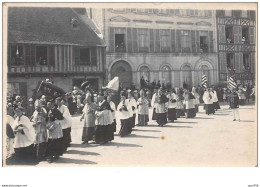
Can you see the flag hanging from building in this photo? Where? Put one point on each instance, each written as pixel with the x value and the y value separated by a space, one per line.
pixel 204 81
pixel 113 84
pixel 232 83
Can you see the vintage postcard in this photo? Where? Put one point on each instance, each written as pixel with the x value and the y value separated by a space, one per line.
pixel 130 84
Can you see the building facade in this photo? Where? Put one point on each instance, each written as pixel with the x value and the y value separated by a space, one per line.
pixel 55 43
pixel 236 45
pixel 171 45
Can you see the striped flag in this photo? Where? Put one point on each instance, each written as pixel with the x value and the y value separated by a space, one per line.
pixel 204 81
pixel 228 86
pixel 232 83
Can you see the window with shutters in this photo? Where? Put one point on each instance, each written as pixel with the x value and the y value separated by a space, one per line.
pixel 245 35
pixel 93 56
pixel 177 12
pixel 236 13
pixel 185 41
pixel 84 56
pixel 41 55
pixel 229 34
pixel 165 40
pixel 17 55
pixel 143 40
pixel 120 43
pixel 246 61
pixel 251 15
pixel 230 61
pixel 220 13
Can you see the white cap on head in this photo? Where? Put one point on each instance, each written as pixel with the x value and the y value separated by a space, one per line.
pixel 43 96
pixel 30 99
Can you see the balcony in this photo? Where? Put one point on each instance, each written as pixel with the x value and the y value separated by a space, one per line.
pixel 230 47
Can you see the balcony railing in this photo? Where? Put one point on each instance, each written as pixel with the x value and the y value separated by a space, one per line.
pixel 237 47
pixel 52 69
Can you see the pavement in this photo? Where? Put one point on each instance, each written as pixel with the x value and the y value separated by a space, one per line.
pixel 207 140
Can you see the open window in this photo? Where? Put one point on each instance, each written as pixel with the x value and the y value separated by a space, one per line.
pixel 237 13
pixel 17 55
pixel 120 43
pixel 230 61
pixel 84 56
pixel 41 55
pixel 246 61
pixel 245 35
pixel 229 34
pixel 204 43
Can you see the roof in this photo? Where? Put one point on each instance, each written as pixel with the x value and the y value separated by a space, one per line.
pixel 50 26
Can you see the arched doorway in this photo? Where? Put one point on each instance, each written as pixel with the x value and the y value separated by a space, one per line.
pixel 186 76
pixel 123 70
pixel 145 73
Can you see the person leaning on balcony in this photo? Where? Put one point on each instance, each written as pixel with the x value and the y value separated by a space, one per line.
pixel 234 104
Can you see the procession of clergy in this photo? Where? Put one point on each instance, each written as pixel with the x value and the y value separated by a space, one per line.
pixel 46 134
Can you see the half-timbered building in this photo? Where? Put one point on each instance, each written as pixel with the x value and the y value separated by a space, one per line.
pixel 62 44
pixel 236 44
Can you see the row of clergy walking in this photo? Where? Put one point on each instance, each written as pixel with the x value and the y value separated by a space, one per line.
pixel 47 133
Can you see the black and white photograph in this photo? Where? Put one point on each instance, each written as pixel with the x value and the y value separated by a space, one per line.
pixel 130 85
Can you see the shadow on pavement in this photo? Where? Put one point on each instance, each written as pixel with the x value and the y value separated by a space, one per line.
pixel 185 121
pixel 74 161
pixel 141 130
pixel 83 145
pixel 247 121
pixel 167 126
pixel 81 152
pixel 202 118
pixel 12 161
pixel 140 136
pixel 221 114
pixel 121 144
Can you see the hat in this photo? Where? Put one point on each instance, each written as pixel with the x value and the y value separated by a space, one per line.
pixel 17 97
pixel 9 104
pixel 43 96
pixel 31 99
